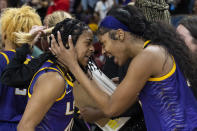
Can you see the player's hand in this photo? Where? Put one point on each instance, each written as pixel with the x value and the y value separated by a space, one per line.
pixel 37 32
pixel 66 56
pixel 91 114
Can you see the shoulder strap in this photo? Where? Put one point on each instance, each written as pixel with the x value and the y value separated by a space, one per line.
pixel 6 57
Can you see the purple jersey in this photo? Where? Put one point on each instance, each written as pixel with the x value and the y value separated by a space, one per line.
pixel 168 103
pixel 12 100
pixel 59 116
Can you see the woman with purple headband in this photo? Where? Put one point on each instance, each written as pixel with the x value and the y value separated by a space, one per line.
pixel 157 75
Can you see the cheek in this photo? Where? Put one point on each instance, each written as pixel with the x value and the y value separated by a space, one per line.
pixel 81 56
pixel 111 49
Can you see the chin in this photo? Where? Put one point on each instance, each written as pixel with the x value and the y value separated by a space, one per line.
pixel 84 64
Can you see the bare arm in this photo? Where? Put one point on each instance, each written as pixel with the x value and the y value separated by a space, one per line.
pixel 141 68
pixel 47 89
pixel 125 94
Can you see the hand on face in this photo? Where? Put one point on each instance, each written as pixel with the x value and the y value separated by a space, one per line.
pixel 66 56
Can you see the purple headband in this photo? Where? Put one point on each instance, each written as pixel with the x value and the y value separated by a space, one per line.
pixel 112 23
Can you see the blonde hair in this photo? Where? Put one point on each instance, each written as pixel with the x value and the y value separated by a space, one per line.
pixel 50 20
pixel 56 17
pixel 18 20
pixel 154 10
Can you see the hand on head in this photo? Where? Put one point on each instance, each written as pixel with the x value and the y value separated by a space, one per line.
pixel 66 56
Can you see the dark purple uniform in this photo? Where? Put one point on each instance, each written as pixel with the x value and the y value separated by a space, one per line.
pixel 12 100
pixel 60 115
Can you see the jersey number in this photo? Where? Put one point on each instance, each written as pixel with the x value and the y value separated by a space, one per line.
pixel 22 92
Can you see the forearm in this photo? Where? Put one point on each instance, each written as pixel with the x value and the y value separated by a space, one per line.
pixel 25 127
pixel 101 98
pixel 98 115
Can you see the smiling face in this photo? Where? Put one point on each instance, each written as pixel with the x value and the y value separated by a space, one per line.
pixel 114 48
pixel 189 40
pixel 84 47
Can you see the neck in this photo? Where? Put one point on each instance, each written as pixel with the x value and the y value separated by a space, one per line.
pixel 65 70
pixel 63 67
pixel 135 47
pixel 9 46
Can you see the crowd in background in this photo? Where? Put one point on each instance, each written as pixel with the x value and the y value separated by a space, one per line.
pixel 93 11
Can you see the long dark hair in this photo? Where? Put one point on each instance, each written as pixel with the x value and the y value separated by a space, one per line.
pixel 160 34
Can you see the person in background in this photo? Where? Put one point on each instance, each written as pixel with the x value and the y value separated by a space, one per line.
pixel 41 6
pixel 13 100
pixel 187 28
pixel 56 5
pixel 88 4
pixel 102 7
pixel 10 76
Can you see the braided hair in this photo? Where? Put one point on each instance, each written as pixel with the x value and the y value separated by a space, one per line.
pixel 75 28
pixel 68 27
pixel 154 10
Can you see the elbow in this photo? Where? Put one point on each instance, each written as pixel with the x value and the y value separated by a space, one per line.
pixel 111 110
pixel 109 113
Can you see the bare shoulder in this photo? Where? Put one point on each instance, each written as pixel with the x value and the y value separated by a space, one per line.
pixel 51 77
pixel 149 61
pixel 148 56
pixel 156 59
pixel 153 52
pixel 50 80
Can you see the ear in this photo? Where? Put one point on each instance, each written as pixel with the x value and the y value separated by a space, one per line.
pixel 120 34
